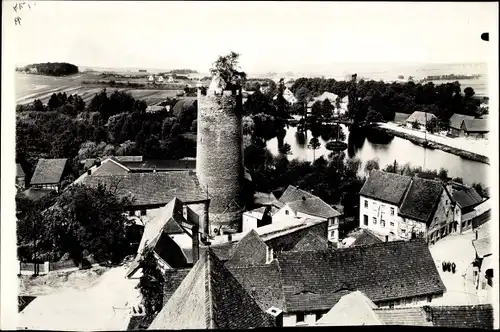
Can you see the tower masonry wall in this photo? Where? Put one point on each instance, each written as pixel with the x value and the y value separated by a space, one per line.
pixel 219 155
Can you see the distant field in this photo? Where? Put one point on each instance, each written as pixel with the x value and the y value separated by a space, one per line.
pixel 31 87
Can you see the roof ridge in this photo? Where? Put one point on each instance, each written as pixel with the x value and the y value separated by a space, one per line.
pixel 282 290
pixel 208 291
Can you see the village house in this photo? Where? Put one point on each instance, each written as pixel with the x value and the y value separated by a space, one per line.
pixel 355 309
pixel 297 203
pixel 149 189
pixel 160 79
pixel 402 207
pixel 469 205
pixel 419 117
pixel 151 78
pixel 210 297
pixel 305 285
pixel 257 218
pixel 484 258
pixel 288 96
pixel 20 178
pixel 455 124
pixel 476 128
pixel 49 174
pixel 173 236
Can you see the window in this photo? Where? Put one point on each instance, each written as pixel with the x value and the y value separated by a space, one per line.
pixel 300 317
pixel 287 212
pixel 374 220
pixel 392 224
pixel 391 305
pixel 143 212
pixel 332 234
pixel 330 222
pixel 382 222
pixel 392 211
pixel 365 220
pixel 366 203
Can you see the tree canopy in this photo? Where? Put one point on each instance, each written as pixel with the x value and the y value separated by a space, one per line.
pixel 227 68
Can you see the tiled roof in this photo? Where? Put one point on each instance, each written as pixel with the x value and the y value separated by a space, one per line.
pixel 210 297
pixel 161 165
pixel 482 246
pixel 463 316
pixel 314 207
pixel 384 186
pixel 413 316
pixel 390 270
pixel 302 201
pixel 153 188
pixel 170 214
pixel 48 171
pixel 250 250
pixel 293 194
pixel 466 197
pixel 364 237
pixel 421 200
pixel 262 282
pixel 19 171
pixel 169 251
pixel 476 125
pixel 223 250
pixel 173 278
pixel 184 104
pixel 288 239
pixel 110 167
pixel 311 242
pixel 352 309
pixel 420 117
pixel 400 117
pixel 456 120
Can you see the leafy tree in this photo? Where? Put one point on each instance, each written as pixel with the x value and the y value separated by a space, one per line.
pixel 228 69
pixel 317 110
pixel 458 180
pixel 328 108
pixel 415 125
pixel 285 149
pixel 151 283
pixel 372 164
pixel 469 92
pixel 89 219
pixel 374 116
pixel 314 145
pixel 480 189
pixel 432 125
pixel 443 174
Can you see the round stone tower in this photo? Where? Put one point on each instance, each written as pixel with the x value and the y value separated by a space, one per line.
pixel 219 154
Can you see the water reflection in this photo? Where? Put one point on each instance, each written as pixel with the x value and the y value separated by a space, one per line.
pixel 366 145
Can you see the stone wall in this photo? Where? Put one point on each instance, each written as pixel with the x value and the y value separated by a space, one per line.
pixel 219 155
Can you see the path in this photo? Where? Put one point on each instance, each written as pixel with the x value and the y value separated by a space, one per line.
pixel 479 146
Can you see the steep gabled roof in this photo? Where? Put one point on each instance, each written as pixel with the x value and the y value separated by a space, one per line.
pixel 466 197
pixel 173 278
pixel 210 297
pixel 292 193
pixel 421 200
pixel 311 242
pixel 250 250
pixel 352 309
pixel 420 117
pixel 457 119
pixel 476 125
pixel 262 282
pixel 111 167
pixel 386 187
pixel 169 251
pixel 314 206
pixel 153 188
pixel 48 171
pixel 315 281
pixel 363 237
pixel 19 171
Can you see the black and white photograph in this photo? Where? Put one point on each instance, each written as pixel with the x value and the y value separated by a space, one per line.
pixel 171 165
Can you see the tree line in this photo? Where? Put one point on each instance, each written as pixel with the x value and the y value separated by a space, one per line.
pixel 51 68
pixel 373 101
pixel 117 124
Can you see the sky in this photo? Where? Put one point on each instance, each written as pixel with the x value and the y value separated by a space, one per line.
pixel 270 36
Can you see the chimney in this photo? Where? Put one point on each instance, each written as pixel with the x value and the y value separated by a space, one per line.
pixel 276 316
pixel 196 244
pixel 387 238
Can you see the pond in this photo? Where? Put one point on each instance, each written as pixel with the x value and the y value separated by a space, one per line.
pixel 386 148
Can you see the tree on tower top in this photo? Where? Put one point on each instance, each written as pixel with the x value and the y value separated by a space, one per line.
pixel 226 72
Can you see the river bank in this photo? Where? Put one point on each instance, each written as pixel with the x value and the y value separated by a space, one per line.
pixel 430 143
